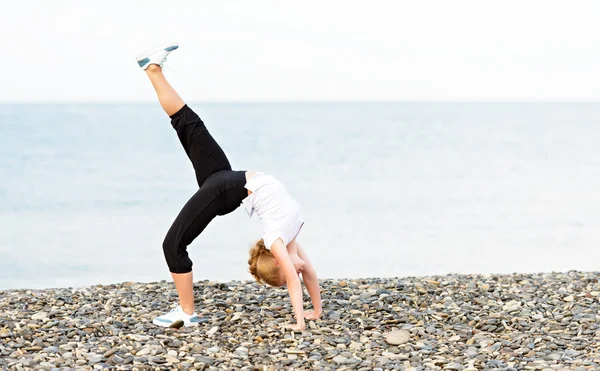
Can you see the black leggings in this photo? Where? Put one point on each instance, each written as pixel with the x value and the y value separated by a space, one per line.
pixel 221 189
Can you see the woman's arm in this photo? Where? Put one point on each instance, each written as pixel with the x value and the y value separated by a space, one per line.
pixel 279 251
pixel 309 276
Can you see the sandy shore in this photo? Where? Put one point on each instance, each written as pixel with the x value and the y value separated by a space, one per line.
pixel 454 322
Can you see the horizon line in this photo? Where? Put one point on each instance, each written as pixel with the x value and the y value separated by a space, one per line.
pixel 299 101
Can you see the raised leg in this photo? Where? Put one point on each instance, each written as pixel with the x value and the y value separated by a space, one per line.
pixel 169 99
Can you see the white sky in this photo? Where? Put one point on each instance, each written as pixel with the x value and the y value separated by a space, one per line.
pixel 303 50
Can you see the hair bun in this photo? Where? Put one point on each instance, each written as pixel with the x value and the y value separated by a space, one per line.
pixel 255 252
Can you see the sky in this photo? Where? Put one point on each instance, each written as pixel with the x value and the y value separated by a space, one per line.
pixel 326 50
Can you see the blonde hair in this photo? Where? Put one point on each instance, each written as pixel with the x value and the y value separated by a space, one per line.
pixel 262 264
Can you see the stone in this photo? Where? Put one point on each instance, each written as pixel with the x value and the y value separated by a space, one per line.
pixel 212 331
pixel 340 359
pixel 454 366
pixel 213 350
pixel 40 316
pixel 143 352
pixel 398 337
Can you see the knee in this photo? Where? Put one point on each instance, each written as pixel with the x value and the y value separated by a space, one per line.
pixel 176 255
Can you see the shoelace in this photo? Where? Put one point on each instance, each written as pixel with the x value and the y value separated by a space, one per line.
pixel 176 309
pixel 162 64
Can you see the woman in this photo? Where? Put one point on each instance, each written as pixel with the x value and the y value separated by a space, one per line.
pixel 277 259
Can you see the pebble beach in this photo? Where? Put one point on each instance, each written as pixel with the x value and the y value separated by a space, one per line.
pixel 453 322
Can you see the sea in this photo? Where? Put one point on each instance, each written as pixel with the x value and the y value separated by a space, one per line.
pixel 388 189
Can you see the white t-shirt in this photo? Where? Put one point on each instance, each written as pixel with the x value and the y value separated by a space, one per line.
pixel 280 213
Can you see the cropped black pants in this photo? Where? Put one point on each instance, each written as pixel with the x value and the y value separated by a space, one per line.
pixel 221 189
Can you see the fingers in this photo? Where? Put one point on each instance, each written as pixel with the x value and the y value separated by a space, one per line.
pixel 311 315
pixel 294 327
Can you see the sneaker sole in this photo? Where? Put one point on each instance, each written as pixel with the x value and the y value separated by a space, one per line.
pixel 157 48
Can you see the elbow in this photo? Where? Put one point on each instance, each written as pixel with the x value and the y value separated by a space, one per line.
pixel 309 276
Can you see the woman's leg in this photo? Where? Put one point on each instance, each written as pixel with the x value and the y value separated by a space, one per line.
pixel 184 283
pixel 207 158
pixel 202 149
pixel 169 100
pixel 171 103
pixel 193 218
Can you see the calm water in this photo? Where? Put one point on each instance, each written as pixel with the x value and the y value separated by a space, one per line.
pixel 87 192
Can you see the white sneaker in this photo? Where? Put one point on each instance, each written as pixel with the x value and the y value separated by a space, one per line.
pixel 177 318
pixel 156 55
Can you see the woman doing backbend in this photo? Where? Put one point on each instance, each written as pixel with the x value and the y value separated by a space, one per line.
pixel 277 259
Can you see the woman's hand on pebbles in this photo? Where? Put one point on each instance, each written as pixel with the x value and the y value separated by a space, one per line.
pixel 312 315
pixel 295 326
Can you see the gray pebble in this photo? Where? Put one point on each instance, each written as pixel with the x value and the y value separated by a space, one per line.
pixel 398 337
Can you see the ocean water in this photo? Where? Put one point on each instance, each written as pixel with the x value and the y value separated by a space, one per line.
pixel 88 191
